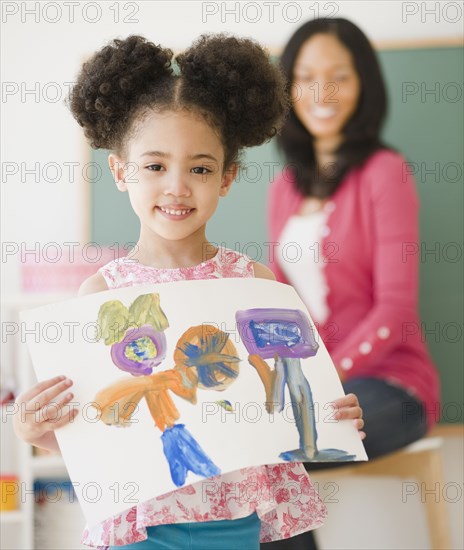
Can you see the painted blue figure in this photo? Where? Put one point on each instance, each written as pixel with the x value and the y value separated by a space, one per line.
pixel 286 335
pixel 184 454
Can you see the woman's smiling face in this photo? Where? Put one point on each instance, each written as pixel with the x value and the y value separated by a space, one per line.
pixel 174 174
pixel 326 86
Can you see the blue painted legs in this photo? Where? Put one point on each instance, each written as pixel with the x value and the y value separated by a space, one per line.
pixel 184 454
pixel 303 411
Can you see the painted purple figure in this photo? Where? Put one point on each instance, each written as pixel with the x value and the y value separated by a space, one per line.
pixel 286 335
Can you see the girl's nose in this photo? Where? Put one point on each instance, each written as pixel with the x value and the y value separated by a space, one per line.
pixel 177 186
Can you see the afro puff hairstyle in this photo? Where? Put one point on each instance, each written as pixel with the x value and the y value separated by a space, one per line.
pixel 230 81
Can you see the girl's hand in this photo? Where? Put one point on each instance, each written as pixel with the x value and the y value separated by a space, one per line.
pixel 348 407
pixel 40 412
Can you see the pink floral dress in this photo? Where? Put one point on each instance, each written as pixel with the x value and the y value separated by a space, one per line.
pixel 281 494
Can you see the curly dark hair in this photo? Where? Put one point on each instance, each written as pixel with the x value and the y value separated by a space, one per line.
pixel 230 81
pixel 361 133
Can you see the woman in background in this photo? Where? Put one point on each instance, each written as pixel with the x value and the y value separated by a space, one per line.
pixel 343 212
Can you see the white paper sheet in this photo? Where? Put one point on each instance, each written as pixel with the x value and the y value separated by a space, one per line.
pixel 113 468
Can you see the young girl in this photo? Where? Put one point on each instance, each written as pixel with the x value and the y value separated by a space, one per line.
pixel 175 141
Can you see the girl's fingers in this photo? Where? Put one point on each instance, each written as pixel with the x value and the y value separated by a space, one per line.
pixel 39 388
pixel 53 411
pixel 348 400
pixel 348 407
pixel 63 419
pixel 359 423
pixel 348 412
pixel 47 395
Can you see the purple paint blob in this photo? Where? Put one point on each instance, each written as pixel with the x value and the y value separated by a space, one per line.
pixel 140 350
pixel 270 331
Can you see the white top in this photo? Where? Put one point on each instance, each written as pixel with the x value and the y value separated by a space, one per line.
pixel 301 259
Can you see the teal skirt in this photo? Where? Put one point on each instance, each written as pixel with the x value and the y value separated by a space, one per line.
pixel 242 534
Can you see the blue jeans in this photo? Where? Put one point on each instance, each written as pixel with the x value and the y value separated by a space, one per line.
pixel 389 425
pixel 242 534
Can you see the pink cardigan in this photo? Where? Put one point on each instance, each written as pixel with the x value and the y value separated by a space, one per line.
pixel 373 328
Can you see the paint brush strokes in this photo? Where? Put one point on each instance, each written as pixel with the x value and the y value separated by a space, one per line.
pixel 209 356
pixel 136 336
pixel 118 402
pixel 226 405
pixel 285 332
pixel 286 335
pixel 184 454
pixel 302 405
pixel 204 358
pixel 274 382
pixel 141 350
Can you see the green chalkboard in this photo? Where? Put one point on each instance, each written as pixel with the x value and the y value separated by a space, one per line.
pixel 425 123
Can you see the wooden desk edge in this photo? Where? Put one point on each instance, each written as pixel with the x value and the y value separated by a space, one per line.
pixel 447 430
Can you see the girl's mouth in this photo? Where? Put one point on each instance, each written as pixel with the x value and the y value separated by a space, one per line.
pixel 175 213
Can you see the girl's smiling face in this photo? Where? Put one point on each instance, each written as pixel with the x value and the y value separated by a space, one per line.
pixel 173 174
pixel 326 86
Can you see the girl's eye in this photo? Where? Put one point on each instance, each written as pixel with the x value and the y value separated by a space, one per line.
pixel 155 167
pixel 201 170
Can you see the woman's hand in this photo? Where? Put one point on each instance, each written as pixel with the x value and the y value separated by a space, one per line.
pixel 40 412
pixel 348 407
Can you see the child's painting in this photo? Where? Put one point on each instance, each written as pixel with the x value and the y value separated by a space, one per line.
pixel 204 377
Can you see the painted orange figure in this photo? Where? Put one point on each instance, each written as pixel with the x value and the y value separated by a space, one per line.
pixel 204 358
